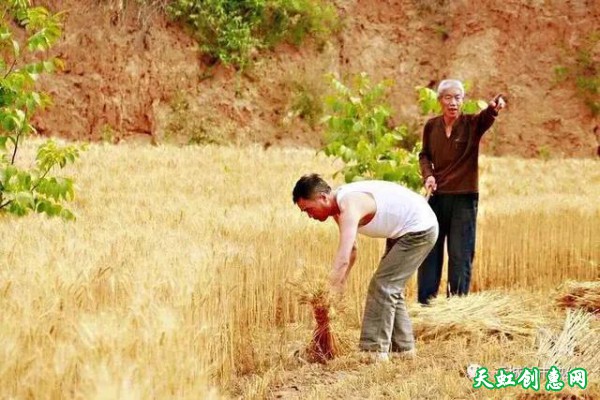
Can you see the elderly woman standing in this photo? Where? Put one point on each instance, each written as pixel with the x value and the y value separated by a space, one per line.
pixel 449 163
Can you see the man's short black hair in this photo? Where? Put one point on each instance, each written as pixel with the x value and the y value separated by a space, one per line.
pixel 308 186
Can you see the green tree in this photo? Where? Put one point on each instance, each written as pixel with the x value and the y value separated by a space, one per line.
pixel 358 132
pixel 26 35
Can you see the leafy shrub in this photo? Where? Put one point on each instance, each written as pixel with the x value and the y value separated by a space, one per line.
pixel 306 102
pixel 358 132
pixel 229 30
pixel 584 71
pixel 183 125
pixel 29 189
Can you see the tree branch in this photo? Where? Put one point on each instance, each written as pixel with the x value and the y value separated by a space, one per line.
pixel 40 179
pixel 5 204
pixel 12 160
pixel 10 70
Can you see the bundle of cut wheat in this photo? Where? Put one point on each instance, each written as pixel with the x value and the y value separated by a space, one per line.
pixel 479 314
pixel 577 345
pixel 328 340
pixel 584 295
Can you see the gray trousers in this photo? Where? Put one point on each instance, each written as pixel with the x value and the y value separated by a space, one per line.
pixel 386 325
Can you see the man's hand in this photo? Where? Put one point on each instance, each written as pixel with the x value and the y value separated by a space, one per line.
pixel 497 103
pixel 337 284
pixel 430 184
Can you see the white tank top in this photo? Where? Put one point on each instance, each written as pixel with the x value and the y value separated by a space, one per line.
pixel 399 210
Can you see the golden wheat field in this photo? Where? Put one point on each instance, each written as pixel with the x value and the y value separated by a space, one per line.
pixel 174 282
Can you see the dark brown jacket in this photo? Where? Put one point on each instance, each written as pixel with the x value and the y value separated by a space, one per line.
pixel 453 161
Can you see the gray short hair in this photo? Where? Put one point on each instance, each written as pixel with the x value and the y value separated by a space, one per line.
pixel 450 84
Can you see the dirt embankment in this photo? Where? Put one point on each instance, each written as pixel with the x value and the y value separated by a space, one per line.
pixel 131 73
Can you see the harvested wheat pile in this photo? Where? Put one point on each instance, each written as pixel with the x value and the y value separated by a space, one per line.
pixel 328 341
pixel 480 314
pixel 584 295
pixel 577 345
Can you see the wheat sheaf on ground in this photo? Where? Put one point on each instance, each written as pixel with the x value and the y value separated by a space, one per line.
pixel 576 345
pixel 479 314
pixel 328 341
pixel 583 295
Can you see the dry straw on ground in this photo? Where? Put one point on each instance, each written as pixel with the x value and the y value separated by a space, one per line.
pixel 479 315
pixel 583 295
pixel 577 345
pixel 169 282
pixel 312 287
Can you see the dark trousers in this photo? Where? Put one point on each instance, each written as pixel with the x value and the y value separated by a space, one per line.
pixel 457 217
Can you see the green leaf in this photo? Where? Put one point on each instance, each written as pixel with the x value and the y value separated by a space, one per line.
pixel 470 107
pixel 48 66
pixel 24 180
pixel 5 34
pixel 43 206
pixel 25 199
pixel 17 208
pixel 67 215
pixel 349 176
pixel 11 122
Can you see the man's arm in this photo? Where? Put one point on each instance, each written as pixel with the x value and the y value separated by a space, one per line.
pixel 352 259
pixel 346 253
pixel 486 118
pixel 425 160
pixel 353 254
pixel 425 154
